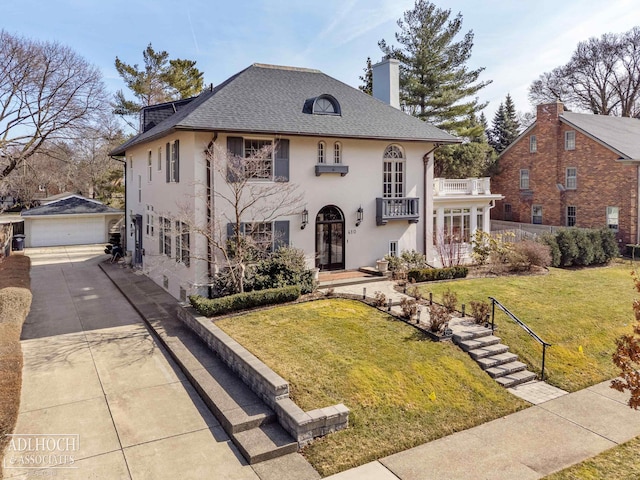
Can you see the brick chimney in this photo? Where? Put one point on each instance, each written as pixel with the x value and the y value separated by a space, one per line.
pixel 386 81
pixel 549 112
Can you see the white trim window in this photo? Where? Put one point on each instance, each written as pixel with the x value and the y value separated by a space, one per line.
pixel 393 172
pixel 536 214
pixel 337 152
pixel 457 225
pixel 393 248
pixel 533 144
pixel 524 179
pixel 150 166
pixel 571 215
pixel 139 188
pixel 322 148
pixel 613 218
pixel 159 159
pixel 165 236
pixel 570 140
pixel 150 221
pixel 571 182
pixel 261 153
pixel 182 243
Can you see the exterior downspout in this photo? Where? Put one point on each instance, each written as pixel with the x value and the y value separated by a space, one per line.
pixel 428 190
pixel 212 266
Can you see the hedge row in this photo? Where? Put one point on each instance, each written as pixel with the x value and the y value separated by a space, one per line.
pixel 581 247
pixel 211 307
pixel 432 274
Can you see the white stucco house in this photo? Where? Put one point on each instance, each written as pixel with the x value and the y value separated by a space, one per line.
pixel 364 167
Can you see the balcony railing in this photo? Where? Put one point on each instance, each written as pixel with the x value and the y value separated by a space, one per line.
pixel 404 208
pixel 463 186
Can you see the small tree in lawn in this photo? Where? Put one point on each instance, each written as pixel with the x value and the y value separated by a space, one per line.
pixel 627 357
pixel 243 206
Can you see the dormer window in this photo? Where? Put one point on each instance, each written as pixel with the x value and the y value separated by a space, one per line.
pixel 322 105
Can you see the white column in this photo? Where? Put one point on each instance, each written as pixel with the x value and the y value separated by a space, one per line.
pixel 474 219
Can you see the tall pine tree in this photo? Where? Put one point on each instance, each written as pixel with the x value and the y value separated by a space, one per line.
pixel 367 78
pixel 505 126
pixel 435 83
pixel 160 80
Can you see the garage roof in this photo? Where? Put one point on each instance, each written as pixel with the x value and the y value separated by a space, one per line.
pixel 71 205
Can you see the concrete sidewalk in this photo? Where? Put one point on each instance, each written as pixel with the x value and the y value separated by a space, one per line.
pixel 92 369
pixel 526 445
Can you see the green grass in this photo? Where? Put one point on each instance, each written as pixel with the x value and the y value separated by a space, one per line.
pixel 620 462
pixel 580 312
pixel 384 371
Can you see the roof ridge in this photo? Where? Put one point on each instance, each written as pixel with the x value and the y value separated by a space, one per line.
pixel 285 67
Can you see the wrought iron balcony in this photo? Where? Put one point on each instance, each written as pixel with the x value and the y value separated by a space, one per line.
pixel 332 168
pixel 404 208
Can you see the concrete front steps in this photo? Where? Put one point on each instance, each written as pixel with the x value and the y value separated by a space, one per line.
pixel 251 424
pixel 492 356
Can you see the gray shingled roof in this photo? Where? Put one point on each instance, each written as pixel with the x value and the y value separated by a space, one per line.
pixel 270 99
pixel 621 134
pixel 73 205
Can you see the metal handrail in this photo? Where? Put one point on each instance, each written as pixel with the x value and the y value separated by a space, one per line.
pixel 524 326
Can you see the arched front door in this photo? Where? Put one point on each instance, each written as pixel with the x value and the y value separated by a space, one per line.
pixel 330 239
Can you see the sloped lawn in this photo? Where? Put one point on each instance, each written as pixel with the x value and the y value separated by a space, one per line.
pixel 402 389
pixel 581 312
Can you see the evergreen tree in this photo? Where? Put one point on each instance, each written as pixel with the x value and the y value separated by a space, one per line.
pixel 161 80
pixel 505 126
pixel 367 78
pixel 435 83
pixel 473 158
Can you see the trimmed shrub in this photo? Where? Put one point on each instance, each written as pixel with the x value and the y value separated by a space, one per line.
pixel 599 255
pixel 585 247
pixel 568 248
pixel 449 301
pixel 432 274
pixel 211 307
pixel 550 241
pixel 480 311
pixel 284 267
pixel 409 307
pixel 438 318
pixel 533 253
pixel 609 243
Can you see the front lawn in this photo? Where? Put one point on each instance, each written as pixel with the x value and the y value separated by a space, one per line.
pixel 402 389
pixel 620 462
pixel 581 312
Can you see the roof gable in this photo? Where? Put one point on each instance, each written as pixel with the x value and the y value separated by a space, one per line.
pixel 620 134
pixel 271 99
pixel 71 205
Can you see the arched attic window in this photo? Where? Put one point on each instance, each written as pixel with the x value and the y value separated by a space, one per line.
pixel 324 104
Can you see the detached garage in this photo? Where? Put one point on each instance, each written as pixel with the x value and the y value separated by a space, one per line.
pixel 71 220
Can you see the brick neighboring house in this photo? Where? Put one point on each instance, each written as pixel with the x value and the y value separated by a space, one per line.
pixel 572 169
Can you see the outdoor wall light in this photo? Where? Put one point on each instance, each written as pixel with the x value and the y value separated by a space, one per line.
pixel 305 219
pixel 359 216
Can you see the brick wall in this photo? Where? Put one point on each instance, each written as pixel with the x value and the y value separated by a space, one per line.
pixel 601 180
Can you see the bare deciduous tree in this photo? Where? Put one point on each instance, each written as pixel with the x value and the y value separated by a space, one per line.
pixel 47 92
pixel 243 205
pixel 602 77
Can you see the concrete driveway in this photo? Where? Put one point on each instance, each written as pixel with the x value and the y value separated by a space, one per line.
pixel 94 376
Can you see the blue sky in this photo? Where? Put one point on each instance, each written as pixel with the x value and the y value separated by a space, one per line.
pixel 515 40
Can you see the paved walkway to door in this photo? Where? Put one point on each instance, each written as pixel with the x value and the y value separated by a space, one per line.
pixel 92 368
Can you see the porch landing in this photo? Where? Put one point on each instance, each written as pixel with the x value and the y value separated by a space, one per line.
pixel 349 277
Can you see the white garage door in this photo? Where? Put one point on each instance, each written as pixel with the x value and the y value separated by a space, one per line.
pixel 47 232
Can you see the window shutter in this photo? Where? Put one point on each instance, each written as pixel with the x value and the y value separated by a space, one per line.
pixel 235 146
pixel 281 234
pixel 168 162
pixel 176 163
pixel 281 168
pixel 161 236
